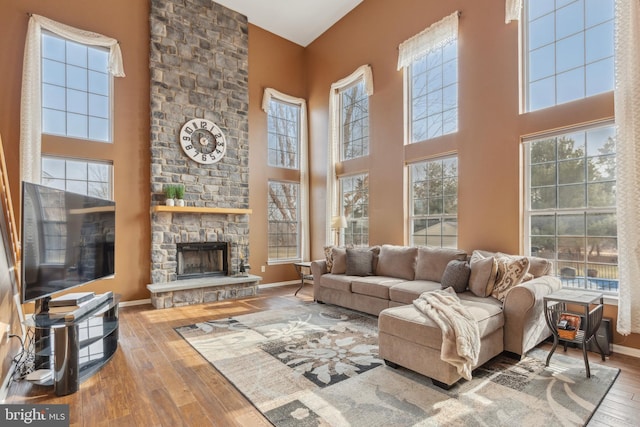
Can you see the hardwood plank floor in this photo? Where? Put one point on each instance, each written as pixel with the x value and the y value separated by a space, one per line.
pixel 157 379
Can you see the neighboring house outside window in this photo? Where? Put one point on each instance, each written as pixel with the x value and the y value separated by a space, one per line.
pixel 76 90
pixel 354 196
pixel 284 221
pixel 354 121
pixel 568 50
pixel 570 209
pixel 434 202
pixel 287 171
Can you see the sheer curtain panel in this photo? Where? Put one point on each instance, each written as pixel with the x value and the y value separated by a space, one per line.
pixel 431 38
pixel 512 10
pixel 627 116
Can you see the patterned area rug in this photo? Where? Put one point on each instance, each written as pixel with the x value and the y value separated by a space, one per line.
pixel 317 365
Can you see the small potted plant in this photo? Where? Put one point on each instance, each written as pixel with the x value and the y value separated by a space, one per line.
pixel 170 194
pixel 179 195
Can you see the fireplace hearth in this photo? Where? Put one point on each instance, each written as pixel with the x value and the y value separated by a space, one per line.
pixel 205 259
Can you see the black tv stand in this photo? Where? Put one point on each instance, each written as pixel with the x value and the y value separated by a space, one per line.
pixel 77 348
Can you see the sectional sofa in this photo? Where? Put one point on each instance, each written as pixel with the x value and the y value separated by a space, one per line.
pixel 504 293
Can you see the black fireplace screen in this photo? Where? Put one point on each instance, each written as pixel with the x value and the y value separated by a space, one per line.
pixel 202 259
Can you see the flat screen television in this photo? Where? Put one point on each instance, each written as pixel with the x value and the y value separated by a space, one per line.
pixel 68 240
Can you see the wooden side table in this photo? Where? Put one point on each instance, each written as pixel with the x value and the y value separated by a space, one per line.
pixel 304 271
pixel 555 305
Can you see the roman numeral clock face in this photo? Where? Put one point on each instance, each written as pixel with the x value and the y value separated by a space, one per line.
pixel 203 141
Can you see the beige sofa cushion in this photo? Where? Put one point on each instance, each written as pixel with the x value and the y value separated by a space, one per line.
pixel 339 282
pixel 397 261
pixel 483 274
pixel 339 260
pixel 432 262
pixel 406 292
pixel 374 286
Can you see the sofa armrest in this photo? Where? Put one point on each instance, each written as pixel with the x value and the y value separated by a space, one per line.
pixel 524 323
pixel 318 268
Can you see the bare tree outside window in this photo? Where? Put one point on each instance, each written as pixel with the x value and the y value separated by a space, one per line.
pixel 434 203
pixel 283 127
pixel 354 121
pixel 572 206
pixel 355 207
pixel 284 221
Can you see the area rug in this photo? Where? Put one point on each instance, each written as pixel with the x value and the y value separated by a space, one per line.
pixel 318 365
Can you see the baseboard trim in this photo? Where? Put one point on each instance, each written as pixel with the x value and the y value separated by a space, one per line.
pixel 135 302
pixel 627 351
pixel 4 389
pixel 277 284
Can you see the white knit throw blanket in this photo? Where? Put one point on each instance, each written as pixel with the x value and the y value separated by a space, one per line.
pixel 460 334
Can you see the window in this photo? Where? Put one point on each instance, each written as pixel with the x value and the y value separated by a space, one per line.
pixel 433 93
pixel 354 192
pixel 571 206
pixel 54 227
pixel 284 221
pixel 569 47
pixel 354 121
pixel 434 202
pixel 79 176
pixel 76 89
pixel 283 123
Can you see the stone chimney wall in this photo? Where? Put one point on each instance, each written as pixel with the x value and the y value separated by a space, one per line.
pixel 198 69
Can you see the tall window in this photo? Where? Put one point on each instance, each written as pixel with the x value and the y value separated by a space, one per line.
pixel 76 89
pixel 433 93
pixel 283 123
pixel 430 61
pixel 434 202
pixel 284 221
pixel 569 47
pixel 354 121
pixel 354 191
pixel 571 206
pixel 79 176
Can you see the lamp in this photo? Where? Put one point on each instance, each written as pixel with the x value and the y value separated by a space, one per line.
pixel 338 223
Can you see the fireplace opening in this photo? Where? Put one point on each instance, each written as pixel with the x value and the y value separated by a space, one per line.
pixel 202 259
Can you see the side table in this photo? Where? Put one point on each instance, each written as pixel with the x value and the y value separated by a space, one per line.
pixel 555 305
pixel 304 271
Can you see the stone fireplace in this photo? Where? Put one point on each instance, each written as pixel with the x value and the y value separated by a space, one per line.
pixel 199 69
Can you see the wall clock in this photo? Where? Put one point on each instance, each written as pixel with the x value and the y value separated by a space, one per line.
pixel 203 141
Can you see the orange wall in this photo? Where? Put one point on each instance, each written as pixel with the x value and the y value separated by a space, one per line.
pixel 490 126
pixel 128 22
pixel 279 64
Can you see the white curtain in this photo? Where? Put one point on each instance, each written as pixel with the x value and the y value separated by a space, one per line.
pixel 512 10
pixel 627 114
pixel 304 162
pixel 431 38
pixel 333 153
pixel 31 113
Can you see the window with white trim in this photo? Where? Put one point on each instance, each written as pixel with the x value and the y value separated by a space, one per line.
pixel 283 124
pixel 430 62
pixel 91 178
pixel 570 209
pixel 569 50
pixel 283 207
pixel 76 89
pixel 354 121
pixel 434 202
pixel 354 205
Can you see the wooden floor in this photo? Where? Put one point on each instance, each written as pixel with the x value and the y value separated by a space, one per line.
pixel 157 379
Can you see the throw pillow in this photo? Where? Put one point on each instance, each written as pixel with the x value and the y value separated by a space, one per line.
pixel 359 262
pixel 511 271
pixel 328 257
pixel 537 266
pixel 397 261
pixel 339 256
pixel 432 262
pixel 456 275
pixel 483 274
pixel 376 253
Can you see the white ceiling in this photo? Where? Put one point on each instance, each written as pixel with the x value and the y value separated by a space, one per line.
pixel 300 21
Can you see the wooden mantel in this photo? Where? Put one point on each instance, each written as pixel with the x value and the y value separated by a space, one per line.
pixel 200 209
